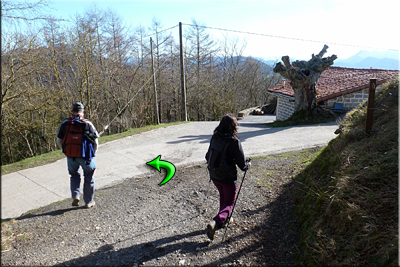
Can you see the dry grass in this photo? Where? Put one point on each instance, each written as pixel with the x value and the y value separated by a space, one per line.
pixel 347 202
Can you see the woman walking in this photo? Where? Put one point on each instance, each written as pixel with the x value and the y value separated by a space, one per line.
pixel 224 153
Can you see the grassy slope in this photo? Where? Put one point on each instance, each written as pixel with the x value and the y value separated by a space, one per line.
pixel 347 199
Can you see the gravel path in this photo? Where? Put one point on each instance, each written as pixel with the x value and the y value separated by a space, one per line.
pixel 138 222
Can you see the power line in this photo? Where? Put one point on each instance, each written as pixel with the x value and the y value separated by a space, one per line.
pixel 161 31
pixel 283 37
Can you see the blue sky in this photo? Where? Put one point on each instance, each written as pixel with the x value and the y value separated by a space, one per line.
pixel 365 23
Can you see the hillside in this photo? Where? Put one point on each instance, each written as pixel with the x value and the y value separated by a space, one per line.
pixel 347 199
pixel 368 59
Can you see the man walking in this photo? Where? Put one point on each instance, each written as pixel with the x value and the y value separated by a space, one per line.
pixel 78 139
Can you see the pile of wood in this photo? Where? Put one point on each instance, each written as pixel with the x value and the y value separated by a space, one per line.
pixel 258 111
pixel 270 108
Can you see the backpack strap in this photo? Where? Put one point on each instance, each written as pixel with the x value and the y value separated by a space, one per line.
pixel 91 137
pixel 70 121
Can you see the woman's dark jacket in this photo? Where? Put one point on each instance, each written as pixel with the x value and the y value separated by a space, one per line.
pixel 235 156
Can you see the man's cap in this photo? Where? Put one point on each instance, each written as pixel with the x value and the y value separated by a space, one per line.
pixel 77 106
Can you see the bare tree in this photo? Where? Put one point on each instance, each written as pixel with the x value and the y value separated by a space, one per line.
pixel 14 12
pixel 303 76
pixel 200 48
pixel 122 68
pixel 161 51
pixel 27 99
pixel 171 79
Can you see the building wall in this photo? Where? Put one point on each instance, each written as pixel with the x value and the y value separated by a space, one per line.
pixel 285 108
pixel 352 100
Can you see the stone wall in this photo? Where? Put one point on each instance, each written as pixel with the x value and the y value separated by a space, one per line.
pixel 352 100
pixel 285 108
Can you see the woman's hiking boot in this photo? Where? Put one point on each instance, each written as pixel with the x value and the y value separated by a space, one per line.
pixel 211 227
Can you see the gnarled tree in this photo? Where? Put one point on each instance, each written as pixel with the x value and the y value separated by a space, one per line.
pixel 303 76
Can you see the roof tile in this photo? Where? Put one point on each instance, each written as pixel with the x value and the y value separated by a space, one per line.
pixel 336 81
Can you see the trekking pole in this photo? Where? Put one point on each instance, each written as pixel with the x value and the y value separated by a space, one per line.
pixel 230 215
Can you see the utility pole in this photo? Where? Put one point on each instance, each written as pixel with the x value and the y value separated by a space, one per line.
pixel 183 87
pixel 157 118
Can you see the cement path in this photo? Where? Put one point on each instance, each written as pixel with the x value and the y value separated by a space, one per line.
pixel 182 145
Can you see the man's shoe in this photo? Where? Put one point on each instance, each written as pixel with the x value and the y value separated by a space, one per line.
pixel 75 202
pixel 211 227
pixel 90 205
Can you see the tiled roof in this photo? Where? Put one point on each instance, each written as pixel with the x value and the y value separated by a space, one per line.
pixel 337 81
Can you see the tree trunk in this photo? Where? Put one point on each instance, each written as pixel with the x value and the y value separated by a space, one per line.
pixel 303 76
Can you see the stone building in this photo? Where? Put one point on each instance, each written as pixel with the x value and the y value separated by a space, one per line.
pixel 346 86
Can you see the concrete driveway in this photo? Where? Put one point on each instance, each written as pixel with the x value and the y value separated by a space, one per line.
pixel 182 145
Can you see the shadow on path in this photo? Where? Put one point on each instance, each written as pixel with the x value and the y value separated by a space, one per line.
pixel 107 256
pixel 263 130
pixel 270 242
pixel 50 213
pixel 259 130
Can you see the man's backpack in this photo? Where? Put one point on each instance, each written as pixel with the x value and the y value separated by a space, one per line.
pixel 218 165
pixel 78 141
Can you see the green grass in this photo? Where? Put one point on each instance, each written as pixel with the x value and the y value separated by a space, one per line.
pixel 6 235
pixel 347 198
pixel 56 155
pixel 294 161
pixel 304 117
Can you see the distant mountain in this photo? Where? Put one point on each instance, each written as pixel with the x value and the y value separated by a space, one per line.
pixel 374 59
pixel 269 62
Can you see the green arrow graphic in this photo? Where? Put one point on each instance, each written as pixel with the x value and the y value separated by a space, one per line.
pixel 168 166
